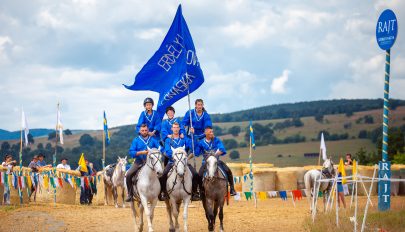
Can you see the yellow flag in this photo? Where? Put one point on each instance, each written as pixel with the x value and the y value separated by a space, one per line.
pixel 29 181
pixel 354 169
pixel 82 164
pixel 341 170
pixel 46 182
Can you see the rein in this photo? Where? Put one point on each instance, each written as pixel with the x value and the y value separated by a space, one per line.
pixel 174 168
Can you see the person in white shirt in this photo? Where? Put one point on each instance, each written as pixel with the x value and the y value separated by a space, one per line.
pixel 63 164
pixel 8 163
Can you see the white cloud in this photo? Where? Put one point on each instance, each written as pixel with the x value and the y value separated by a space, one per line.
pixel 152 33
pixel 278 84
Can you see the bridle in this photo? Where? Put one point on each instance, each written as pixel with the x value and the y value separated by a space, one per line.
pixel 175 164
pixel 151 164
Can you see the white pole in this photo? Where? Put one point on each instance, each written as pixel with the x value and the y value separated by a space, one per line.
pixel 337 205
pixel 191 123
pixel 292 198
pixel 355 209
pixel 316 198
pixel 368 194
pixel 365 211
pixel 329 202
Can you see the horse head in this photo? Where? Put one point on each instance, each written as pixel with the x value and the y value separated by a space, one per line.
pixel 212 163
pixel 154 160
pixel 122 163
pixel 180 160
pixel 328 166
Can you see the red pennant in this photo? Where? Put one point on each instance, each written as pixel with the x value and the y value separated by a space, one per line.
pixel 60 182
pixel 19 182
pixel 86 182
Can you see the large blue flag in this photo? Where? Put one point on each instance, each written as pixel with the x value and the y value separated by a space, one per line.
pixel 252 136
pixel 106 132
pixel 173 69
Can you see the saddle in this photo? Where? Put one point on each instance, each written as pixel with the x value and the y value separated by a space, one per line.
pixel 135 181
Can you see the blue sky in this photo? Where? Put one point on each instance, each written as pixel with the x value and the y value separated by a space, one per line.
pixel 252 53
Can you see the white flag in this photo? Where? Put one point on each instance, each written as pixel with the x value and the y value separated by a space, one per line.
pixel 24 126
pixel 323 148
pixel 59 126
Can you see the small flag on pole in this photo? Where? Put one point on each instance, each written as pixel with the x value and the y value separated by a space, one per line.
pixel 107 133
pixel 59 126
pixel 341 170
pixel 82 164
pixel 252 135
pixel 323 148
pixel 24 126
pixel 354 171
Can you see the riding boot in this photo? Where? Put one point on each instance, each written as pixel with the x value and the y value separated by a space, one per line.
pixel 230 178
pixel 128 179
pixel 163 183
pixel 195 195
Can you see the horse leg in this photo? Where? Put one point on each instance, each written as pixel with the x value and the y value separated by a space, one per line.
pixel 169 215
pixel 147 212
pixel 216 206
pixel 221 218
pixel 123 196
pixel 115 194
pixel 210 216
pixel 185 213
pixel 141 209
pixel 134 215
pixel 105 194
pixel 175 211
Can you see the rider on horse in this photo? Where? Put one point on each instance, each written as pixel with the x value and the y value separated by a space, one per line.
pixel 200 119
pixel 151 118
pixel 174 142
pixel 205 146
pixel 139 150
pixel 166 128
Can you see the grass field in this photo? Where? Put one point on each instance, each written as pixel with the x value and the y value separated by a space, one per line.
pixel 293 154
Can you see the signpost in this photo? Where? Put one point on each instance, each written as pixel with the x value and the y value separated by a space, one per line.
pixel 386 33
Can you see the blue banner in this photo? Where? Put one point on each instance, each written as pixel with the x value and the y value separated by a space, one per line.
pixel 173 69
pixel 384 186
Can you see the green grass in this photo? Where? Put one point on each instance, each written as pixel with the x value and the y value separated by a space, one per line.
pixel 269 153
pixel 376 221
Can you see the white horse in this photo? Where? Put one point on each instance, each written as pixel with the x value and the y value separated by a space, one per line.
pixel 310 178
pixel 179 184
pixel 147 188
pixel 115 180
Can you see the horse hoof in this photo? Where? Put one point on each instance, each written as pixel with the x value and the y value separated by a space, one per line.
pixel 116 206
pixel 171 230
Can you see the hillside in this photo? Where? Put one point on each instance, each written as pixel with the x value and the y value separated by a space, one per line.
pixel 284 146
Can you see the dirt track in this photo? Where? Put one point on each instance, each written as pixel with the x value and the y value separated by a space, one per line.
pixel 270 215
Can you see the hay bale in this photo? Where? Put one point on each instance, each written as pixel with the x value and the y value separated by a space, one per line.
pixel 395 174
pixel 367 171
pixel 237 170
pixel 401 190
pixel 286 179
pixel 310 167
pixel 264 180
pixel 15 198
pixel 300 173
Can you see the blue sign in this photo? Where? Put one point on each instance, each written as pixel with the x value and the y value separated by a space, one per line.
pixel 387 29
pixel 384 187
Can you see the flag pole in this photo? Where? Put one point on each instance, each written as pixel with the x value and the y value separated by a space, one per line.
pixel 319 157
pixel 191 121
pixel 20 173
pixel 103 159
pixel 251 170
pixel 54 156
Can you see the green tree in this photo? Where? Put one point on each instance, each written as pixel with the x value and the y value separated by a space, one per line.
pixel 52 135
pixel 234 155
pixel 230 143
pixel 67 132
pixel 86 140
pixel 234 131
pixel 30 139
pixel 40 146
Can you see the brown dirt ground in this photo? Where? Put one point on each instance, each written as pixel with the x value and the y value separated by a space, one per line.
pixel 270 215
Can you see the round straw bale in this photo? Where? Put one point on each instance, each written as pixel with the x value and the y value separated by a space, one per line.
pixel 286 179
pixel 300 172
pixel 264 180
pixel 310 167
pixel 367 171
pixel 237 171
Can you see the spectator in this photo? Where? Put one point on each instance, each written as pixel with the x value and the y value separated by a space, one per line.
pixel 93 187
pixel 9 163
pixel 86 190
pixel 34 167
pixel 41 162
pixel 349 160
pixel 341 195
pixel 63 164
